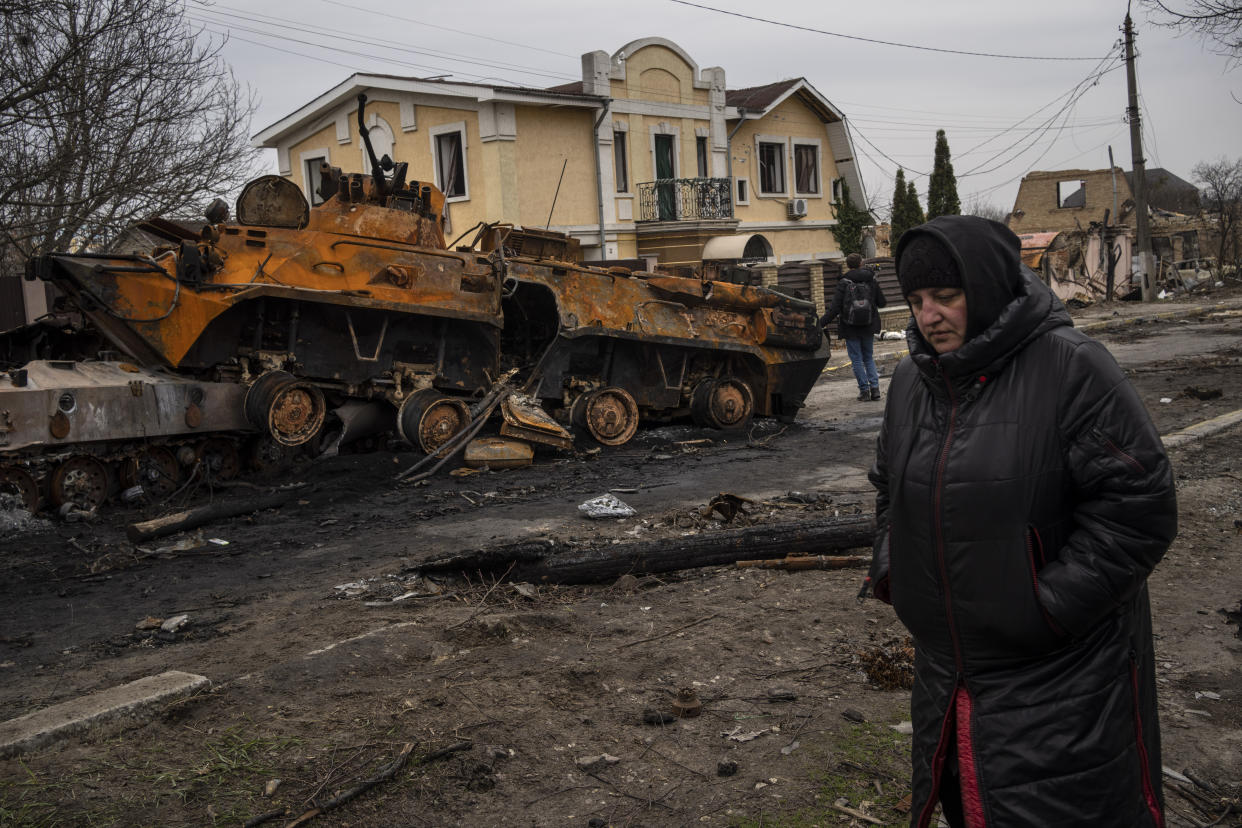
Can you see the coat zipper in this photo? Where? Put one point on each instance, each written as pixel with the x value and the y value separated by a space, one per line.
pixel 1149 793
pixel 938 516
pixel 957 725
pixel 968 773
pixel 938 758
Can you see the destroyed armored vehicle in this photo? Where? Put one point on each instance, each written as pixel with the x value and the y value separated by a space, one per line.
pixel 295 326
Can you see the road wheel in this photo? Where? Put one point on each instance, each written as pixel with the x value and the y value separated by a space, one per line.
pixel 428 419
pixel 155 469
pixel 611 416
pixel 81 480
pixel 722 403
pixel 218 458
pixel 267 455
pixel 19 483
pixel 290 409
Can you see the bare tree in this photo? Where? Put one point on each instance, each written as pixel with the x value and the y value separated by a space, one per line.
pixel 1216 21
pixel 1222 196
pixel 110 111
pixel 976 206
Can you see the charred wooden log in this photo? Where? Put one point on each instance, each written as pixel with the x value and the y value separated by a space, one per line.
pixel 194 518
pixel 539 561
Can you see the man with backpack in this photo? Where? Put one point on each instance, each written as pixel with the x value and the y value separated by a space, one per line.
pixel 856 304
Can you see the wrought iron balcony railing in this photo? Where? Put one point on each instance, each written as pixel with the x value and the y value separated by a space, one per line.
pixel 685 199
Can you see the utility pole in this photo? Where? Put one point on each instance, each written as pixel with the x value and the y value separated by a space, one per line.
pixel 1142 258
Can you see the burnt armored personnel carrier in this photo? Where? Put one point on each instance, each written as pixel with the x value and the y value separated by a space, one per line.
pixel 258 335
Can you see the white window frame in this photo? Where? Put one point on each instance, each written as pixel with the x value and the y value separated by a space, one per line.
pixel 663 128
pixel 303 159
pixel 819 166
pixel 443 129
pixel 741 179
pixel 783 142
pixel 621 152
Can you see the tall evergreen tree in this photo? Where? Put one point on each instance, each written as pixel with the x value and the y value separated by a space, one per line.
pixel 906 210
pixel 899 220
pixel 942 197
pixel 850 222
pixel 912 201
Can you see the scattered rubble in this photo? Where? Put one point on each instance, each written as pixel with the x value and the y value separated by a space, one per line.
pixel 890 666
pixel 687 705
pixel 174 624
pixel 595 763
pixel 1201 393
pixel 606 506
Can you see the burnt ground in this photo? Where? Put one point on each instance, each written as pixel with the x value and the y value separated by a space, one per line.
pixel 319 678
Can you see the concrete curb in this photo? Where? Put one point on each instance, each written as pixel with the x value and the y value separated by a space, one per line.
pixel 880 359
pixel 127 703
pixel 1204 429
pixel 1086 327
pixel 1163 316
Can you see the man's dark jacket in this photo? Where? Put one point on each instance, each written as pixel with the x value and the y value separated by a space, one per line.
pixel 1023 498
pixel 845 331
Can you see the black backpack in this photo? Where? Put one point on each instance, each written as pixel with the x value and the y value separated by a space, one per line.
pixel 858 308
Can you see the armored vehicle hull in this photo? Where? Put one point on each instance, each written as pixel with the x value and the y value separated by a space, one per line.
pixel 295 326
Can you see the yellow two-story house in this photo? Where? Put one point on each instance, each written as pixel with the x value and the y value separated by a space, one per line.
pixel 648 157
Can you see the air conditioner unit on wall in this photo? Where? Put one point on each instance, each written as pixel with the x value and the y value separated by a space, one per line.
pixel 796 207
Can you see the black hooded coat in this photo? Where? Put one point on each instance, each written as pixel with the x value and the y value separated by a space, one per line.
pixel 1023 497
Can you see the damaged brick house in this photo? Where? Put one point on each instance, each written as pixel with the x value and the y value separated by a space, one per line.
pixel 1076 224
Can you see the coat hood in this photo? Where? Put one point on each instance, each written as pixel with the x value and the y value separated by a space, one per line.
pixel 988 256
pixel 1006 303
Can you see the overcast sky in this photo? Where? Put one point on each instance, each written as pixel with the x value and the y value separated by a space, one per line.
pixel 1003 116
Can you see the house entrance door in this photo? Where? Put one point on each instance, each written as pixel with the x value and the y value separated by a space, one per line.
pixel 665 194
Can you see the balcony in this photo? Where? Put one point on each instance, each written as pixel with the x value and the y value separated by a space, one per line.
pixel 685 199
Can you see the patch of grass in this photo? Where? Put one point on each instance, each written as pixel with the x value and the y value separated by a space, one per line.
pixel 219 780
pixel 225 779
pixel 31 800
pixel 852 762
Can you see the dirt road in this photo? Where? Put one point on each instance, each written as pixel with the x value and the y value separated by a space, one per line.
pixel 319 678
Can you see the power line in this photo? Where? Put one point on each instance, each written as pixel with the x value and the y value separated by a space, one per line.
pixel 335 35
pixel 1062 162
pixel 1072 98
pixel 856 131
pixel 389 16
pixel 921 129
pixel 1150 130
pixel 1030 137
pixel 228 33
pixel 338 36
pixel 874 40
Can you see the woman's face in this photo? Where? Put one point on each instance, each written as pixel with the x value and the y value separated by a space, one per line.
pixel 940 313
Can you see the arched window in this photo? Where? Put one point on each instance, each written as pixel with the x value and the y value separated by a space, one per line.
pixel 382 139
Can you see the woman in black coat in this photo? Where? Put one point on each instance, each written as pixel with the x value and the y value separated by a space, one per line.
pixel 1023 497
